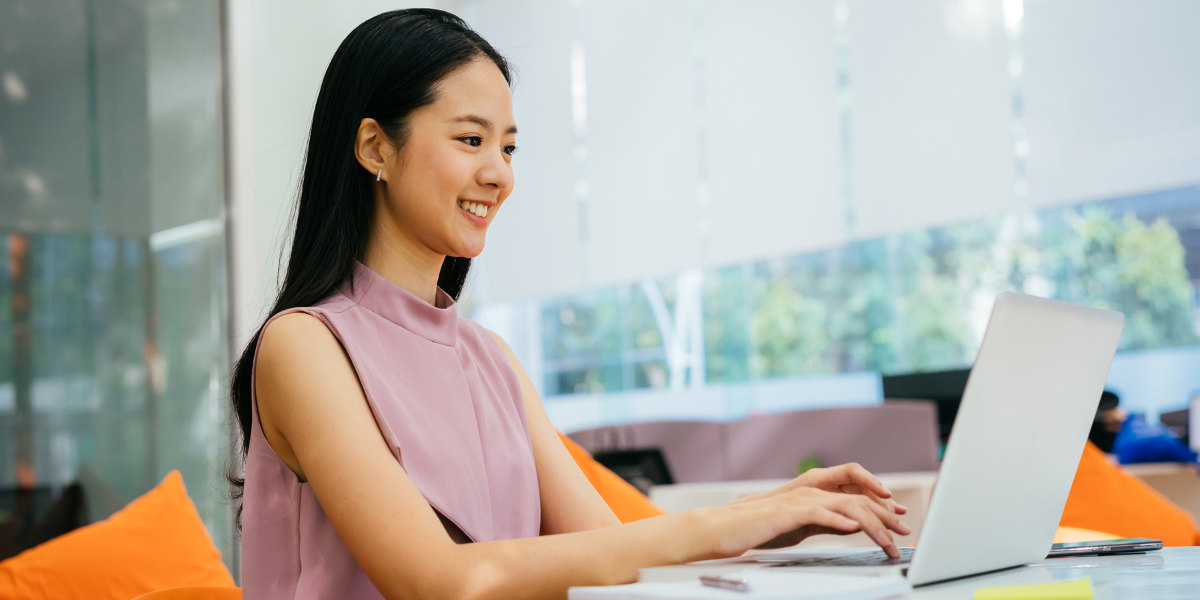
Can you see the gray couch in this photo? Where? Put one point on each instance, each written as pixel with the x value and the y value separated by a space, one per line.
pixel 896 436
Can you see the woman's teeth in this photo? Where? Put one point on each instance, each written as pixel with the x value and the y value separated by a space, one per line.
pixel 479 210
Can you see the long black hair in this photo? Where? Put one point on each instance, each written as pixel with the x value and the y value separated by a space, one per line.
pixel 385 69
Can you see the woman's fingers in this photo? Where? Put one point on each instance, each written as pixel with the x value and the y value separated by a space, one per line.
pixel 887 503
pixel 855 474
pixel 851 478
pixel 870 522
pixel 890 519
pixel 823 517
pixel 807 511
pixel 873 519
pixel 850 488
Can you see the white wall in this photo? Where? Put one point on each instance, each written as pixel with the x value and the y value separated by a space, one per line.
pixel 279 52
pixel 538 227
pixel 713 131
pixel 931 113
pixel 1112 97
pixel 774 146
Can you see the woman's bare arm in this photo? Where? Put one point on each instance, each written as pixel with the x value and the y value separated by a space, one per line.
pixel 316 417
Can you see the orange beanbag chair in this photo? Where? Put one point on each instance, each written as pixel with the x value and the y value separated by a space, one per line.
pixel 194 593
pixel 1107 499
pixel 156 542
pixel 625 500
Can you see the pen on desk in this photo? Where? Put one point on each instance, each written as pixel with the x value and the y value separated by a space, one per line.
pixel 735 583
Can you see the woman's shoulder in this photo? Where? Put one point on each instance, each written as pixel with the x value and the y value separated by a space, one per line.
pixel 296 323
pixel 294 339
pixel 310 321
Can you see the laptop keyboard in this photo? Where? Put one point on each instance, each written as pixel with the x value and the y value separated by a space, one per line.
pixel 862 559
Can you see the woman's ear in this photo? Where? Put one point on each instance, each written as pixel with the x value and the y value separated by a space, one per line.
pixel 369 148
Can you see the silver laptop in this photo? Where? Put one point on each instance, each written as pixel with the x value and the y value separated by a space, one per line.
pixel 1016 443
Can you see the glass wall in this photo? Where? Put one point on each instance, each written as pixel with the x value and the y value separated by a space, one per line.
pixel 911 302
pixel 753 197
pixel 113 343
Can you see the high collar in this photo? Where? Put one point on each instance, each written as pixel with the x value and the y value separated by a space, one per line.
pixel 437 323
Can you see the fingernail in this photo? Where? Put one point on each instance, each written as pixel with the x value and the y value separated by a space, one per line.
pixel 848 524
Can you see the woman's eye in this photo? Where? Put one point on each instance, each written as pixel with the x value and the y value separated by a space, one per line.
pixel 472 140
pixel 510 150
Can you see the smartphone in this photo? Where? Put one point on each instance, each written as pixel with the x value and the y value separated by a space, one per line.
pixel 1126 546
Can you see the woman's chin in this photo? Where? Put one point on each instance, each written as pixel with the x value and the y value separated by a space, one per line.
pixel 467 251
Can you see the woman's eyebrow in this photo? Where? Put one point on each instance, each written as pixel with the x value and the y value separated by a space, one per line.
pixel 482 122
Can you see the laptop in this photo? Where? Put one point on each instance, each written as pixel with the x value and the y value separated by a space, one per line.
pixel 1016 443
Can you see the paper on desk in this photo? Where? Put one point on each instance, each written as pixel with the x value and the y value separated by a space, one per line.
pixel 764 585
pixel 1076 589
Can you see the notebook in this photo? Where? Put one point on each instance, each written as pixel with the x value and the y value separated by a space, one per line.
pixel 764 584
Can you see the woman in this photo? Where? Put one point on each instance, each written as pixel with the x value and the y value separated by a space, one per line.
pixel 381 433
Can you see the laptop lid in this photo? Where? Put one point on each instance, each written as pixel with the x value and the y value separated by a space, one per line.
pixel 1018 436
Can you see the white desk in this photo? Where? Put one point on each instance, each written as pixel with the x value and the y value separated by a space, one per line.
pixel 1165 575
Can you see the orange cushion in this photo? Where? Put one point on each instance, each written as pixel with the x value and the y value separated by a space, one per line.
pixel 1106 498
pixel 156 542
pixel 625 500
pixel 194 593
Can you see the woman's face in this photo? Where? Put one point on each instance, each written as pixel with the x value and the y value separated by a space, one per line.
pixel 447 182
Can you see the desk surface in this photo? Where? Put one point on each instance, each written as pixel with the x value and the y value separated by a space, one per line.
pixel 1167 574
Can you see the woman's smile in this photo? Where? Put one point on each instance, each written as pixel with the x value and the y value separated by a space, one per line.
pixel 475 210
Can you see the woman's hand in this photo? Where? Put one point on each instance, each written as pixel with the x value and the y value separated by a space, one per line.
pixel 849 478
pixel 785 517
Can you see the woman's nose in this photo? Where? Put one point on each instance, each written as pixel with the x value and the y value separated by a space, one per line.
pixel 496 172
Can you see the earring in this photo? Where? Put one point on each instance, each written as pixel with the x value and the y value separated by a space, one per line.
pixel 379 175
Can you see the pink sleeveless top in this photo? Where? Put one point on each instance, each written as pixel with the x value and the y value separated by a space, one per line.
pixel 448 404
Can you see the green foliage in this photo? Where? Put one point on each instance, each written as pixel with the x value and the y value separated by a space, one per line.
pixel 807 464
pixel 887 305
pixel 790 330
pixel 934 314
pixel 910 302
pixel 727 310
pixel 1130 266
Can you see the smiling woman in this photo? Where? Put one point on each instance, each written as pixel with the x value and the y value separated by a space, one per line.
pixel 441 176
pixel 394 450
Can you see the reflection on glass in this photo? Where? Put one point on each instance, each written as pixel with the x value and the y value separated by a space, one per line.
pixel 113 341
pixel 912 302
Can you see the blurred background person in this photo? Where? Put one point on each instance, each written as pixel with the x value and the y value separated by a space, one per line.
pixel 1109 419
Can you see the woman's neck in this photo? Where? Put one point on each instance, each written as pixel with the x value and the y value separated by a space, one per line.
pixel 400 260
